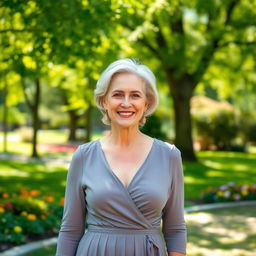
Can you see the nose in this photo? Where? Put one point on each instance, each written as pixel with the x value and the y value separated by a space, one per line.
pixel 126 102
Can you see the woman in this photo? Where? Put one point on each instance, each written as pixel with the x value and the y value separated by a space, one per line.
pixel 125 182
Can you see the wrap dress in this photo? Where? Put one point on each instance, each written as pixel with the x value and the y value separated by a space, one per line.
pixel 123 221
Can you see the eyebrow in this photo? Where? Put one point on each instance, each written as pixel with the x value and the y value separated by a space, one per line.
pixel 123 91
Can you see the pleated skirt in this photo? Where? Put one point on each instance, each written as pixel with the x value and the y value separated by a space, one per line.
pixel 118 242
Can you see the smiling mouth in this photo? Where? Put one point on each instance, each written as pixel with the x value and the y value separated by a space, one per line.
pixel 126 114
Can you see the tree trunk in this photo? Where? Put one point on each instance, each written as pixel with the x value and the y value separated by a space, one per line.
pixel 5 116
pixel 88 121
pixel 182 91
pixel 35 118
pixel 73 118
pixel 72 114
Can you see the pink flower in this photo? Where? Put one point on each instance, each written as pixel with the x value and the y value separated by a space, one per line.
pixel 236 197
pixel 224 187
pixel 8 206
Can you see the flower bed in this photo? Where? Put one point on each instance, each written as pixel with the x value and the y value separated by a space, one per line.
pixel 27 215
pixel 229 192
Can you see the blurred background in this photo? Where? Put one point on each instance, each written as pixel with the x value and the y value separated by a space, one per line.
pixel 204 57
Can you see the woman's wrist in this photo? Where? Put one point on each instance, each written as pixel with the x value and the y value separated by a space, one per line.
pixel 176 254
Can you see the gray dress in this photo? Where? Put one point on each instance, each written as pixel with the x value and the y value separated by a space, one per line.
pixel 123 221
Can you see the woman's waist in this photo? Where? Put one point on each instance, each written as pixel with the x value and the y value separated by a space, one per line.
pixel 117 230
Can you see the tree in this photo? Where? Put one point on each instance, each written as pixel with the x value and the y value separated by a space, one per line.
pixel 41 32
pixel 185 36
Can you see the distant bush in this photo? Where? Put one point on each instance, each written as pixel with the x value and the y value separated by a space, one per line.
pixel 229 192
pixel 219 128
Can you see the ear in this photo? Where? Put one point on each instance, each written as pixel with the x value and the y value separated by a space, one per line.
pixel 103 101
pixel 146 105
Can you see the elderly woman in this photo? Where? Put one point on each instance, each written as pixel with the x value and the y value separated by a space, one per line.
pixel 126 182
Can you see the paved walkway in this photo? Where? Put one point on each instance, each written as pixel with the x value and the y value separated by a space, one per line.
pixel 222 232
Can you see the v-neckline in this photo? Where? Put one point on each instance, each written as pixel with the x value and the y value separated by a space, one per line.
pixel 113 173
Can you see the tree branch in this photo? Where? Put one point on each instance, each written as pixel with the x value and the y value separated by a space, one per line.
pixel 212 48
pixel 143 41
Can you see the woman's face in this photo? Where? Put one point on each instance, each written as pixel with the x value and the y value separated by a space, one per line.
pixel 126 100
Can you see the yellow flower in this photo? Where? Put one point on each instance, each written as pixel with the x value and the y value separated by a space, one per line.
pixel 17 229
pixel 24 213
pixel 2 210
pixel 31 217
pixel 219 193
pixel 245 192
pixel 5 195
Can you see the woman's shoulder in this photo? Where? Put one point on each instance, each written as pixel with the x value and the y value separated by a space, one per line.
pixel 169 147
pixel 88 146
pixel 84 149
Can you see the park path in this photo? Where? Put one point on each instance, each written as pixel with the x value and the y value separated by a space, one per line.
pixel 223 232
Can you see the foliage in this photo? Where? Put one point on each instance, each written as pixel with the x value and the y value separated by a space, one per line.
pixel 27 214
pixel 229 192
pixel 219 128
pixel 153 127
pixel 252 132
pixel 193 43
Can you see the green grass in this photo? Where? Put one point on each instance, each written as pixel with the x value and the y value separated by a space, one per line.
pixel 217 168
pixel 213 169
pixel 32 175
pixel 47 251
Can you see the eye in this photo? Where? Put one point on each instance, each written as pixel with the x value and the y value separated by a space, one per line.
pixel 135 95
pixel 117 95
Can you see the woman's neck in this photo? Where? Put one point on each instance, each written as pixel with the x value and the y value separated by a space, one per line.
pixel 125 137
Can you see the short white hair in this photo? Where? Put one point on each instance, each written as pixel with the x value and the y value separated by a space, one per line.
pixel 131 66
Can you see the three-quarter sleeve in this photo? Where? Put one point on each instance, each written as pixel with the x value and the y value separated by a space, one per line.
pixel 174 226
pixel 73 220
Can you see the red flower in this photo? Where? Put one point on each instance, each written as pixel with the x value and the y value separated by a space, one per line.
pixel 8 206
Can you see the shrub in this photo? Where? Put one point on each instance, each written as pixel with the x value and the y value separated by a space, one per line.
pixel 219 128
pixel 153 127
pixel 26 215
pixel 29 204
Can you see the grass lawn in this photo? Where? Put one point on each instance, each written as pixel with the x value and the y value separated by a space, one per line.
pixel 15 175
pixel 216 168
pixel 212 233
pixel 212 169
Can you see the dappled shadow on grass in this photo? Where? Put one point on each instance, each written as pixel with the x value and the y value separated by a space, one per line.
pixel 32 175
pixel 230 231
pixel 216 168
